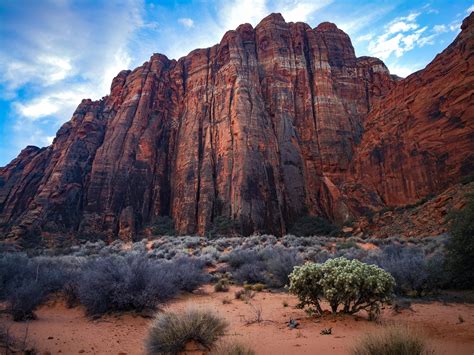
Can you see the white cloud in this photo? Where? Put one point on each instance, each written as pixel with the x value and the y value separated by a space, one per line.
pixel 440 28
pixel 401 26
pixel 186 22
pixel 401 35
pixel 470 9
pixel 38 108
pixel 365 38
pixel 54 54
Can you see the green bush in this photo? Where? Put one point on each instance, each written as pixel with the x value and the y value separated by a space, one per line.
pixel 171 332
pixel 311 225
pixel 350 283
pixel 460 247
pixel 164 225
pixel 392 340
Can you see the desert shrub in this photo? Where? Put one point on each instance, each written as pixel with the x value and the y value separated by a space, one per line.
pixel 170 332
pixel 460 247
pixel 26 282
pixel 250 273
pixel 24 299
pixel 233 349
pixel 349 283
pixel 270 266
pixel 258 287
pixel 164 225
pixel 415 273
pixel 222 285
pixel 392 340
pixel 240 257
pixel 247 266
pixel 310 225
pixel 134 282
pixel 347 244
pixel 279 263
pixel 244 294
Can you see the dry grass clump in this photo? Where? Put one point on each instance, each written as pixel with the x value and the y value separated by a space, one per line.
pixel 170 332
pixel 233 348
pixel 392 340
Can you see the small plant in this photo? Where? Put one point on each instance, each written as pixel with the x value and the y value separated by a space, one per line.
pixel 393 340
pixel 460 319
pixel 171 332
pixel 222 286
pixel 326 331
pixel 258 287
pixel 257 314
pixel 348 283
pixel 244 294
pixel 247 287
pixel 226 300
pixel 285 304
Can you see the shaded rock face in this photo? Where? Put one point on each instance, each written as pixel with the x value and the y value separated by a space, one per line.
pixel 261 128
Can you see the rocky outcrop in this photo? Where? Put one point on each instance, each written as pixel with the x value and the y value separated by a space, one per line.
pixel 261 128
pixel 420 139
pixel 428 217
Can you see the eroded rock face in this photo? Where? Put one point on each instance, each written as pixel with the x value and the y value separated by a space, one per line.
pixel 420 139
pixel 261 128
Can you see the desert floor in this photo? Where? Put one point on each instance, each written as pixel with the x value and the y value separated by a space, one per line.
pixel 67 331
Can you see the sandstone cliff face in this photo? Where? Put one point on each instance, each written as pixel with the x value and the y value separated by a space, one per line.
pixel 420 139
pixel 261 128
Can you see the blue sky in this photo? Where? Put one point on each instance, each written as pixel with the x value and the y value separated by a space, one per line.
pixel 53 53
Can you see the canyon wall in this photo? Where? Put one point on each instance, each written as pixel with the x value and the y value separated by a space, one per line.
pixel 273 123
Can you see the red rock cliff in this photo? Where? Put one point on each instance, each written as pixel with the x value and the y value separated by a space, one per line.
pixel 260 128
pixel 420 139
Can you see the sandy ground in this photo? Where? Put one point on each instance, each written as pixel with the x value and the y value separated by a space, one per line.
pixel 59 330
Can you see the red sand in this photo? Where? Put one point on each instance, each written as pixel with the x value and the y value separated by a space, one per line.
pixel 68 331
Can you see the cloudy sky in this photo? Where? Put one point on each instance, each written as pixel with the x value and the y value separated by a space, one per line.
pixel 53 53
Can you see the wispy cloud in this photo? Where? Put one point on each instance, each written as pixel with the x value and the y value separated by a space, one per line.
pixel 186 22
pixel 53 56
pixel 440 28
pixel 401 35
